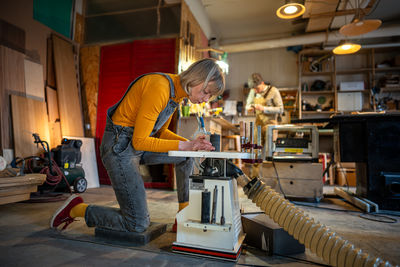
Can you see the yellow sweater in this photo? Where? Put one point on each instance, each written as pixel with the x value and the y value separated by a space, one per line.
pixel 141 107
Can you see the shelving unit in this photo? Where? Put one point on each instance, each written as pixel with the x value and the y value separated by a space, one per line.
pixel 369 66
pixel 316 65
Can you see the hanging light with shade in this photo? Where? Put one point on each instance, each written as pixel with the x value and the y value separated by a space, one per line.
pixel 290 10
pixel 359 25
pixel 346 47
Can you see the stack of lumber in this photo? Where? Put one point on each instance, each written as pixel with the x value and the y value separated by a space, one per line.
pixel 19 188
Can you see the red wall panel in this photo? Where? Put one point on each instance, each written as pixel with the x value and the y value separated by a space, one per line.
pixel 119 65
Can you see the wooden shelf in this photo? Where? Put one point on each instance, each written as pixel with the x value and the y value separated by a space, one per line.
pixel 390 89
pixel 318 112
pixel 354 91
pixel 352 71
pixel 318 92
pixel 345 68
pixel 387 69
pixel 320 73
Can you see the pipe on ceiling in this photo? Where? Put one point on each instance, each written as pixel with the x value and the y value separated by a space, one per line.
pixel 311 38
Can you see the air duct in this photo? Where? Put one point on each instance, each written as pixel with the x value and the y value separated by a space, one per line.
pixel 312 38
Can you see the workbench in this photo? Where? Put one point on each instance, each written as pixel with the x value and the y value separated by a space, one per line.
pixel 19 188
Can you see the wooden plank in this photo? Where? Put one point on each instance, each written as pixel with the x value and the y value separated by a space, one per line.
pixel 17 190
pixel 11 80
pixel 27 179
pixel 90 65
pixel 89 163
pixel 226 125
pixel 319 23
pixel 69 103
pixel 55 134
pixel 29 116
pixel 79 28
pixel 52 104
pixel 12 36
pixel 15 198
pixel 34 83
pixel 14 76
pixel 50 76
pixel 54 117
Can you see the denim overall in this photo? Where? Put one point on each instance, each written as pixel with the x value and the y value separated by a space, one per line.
pixel 122 163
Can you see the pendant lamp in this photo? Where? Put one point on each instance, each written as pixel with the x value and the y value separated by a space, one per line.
pixel 290 10
pixel 345 48
pixel 360 26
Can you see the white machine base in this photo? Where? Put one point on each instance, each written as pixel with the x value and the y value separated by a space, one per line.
pixel 228 255
pixel 211 239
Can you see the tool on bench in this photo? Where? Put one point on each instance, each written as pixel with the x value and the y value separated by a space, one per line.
pixel 222 207
pixel 214 206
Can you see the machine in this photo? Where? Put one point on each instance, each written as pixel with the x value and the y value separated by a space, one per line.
pixel 61 165
pixel 292 143
pixel 211 225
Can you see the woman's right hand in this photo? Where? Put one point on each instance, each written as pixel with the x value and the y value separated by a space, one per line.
pixel 200 143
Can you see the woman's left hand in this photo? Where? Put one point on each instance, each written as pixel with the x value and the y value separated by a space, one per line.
pixel 200 143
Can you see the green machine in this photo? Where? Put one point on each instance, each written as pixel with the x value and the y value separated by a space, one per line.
pixel 62 166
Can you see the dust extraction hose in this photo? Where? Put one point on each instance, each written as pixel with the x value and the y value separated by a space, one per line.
pixel 322 241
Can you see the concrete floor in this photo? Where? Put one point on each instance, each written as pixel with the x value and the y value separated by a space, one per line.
pixel 26 240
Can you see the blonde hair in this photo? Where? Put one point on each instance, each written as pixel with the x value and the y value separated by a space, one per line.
pixel 203 71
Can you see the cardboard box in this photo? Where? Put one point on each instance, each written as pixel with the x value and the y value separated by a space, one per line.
pixel 346 176
pixel 350 101
pixel 352 86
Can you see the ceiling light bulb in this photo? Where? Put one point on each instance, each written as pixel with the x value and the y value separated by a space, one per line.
pixel 346 46
pixel 290 9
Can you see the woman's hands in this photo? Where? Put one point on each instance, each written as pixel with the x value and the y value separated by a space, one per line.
pixel 200 143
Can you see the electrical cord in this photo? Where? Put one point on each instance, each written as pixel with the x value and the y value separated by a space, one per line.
pixel 301 260
pixel 279 180
pixel 373 216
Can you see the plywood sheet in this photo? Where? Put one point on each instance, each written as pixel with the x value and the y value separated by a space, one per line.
pixel 50 76
pixel 11 80
pixel 90 66
pixel 52 104
pixel 13 70
pixel 34 83
pixel 69 103
pixel 89 164
pixel 319 23
pixel 54 117
pixel 29 116
pixel 55 134
pixel 12 36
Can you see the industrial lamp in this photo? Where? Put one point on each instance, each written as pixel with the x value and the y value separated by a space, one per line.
pixel 358 27
pixel 346 48
pixel 290 10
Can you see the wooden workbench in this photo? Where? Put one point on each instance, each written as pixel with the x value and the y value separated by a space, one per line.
pixel 19 188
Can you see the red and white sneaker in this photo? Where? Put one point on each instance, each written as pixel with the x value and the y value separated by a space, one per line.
pixel 62 214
